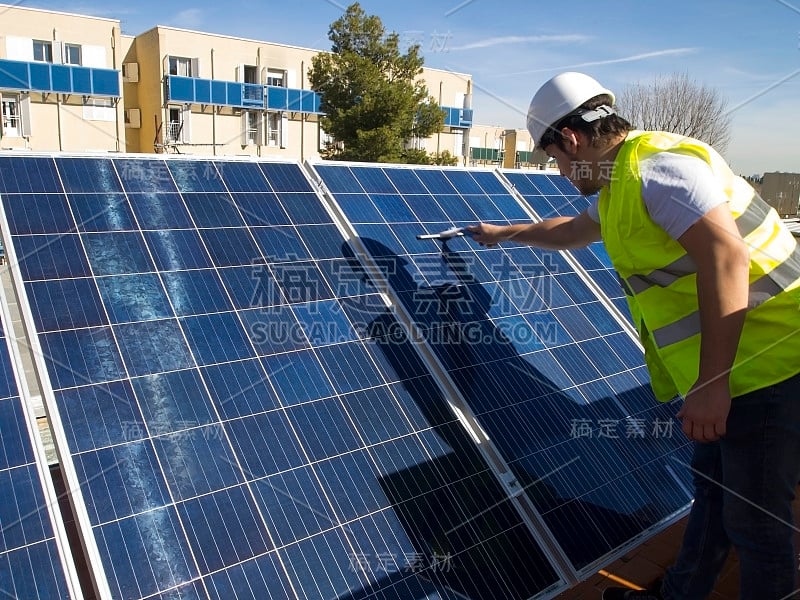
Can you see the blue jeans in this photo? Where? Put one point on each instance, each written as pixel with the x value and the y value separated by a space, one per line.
pixel 744 488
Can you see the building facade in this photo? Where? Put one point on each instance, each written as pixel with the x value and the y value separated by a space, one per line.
pixel 195 92
pixel 509 148
pixel 782 191
pixel 59 81
pixel 76 83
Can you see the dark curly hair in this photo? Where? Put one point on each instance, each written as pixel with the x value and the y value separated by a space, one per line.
pixel 597 131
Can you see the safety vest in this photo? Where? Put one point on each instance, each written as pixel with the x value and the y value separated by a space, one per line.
pixel 660 278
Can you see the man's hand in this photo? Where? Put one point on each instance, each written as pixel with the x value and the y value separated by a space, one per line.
pixel 705 410
pixel 487 234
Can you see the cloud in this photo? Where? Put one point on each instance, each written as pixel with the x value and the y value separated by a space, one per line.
pixel 523 39
pixel 611 61
pixel 190 18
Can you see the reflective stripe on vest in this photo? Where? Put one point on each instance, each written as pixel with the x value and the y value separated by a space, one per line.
pixel 751 219
pixel 761 290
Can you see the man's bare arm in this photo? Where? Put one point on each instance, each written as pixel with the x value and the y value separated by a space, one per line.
pixel 722 260
pixel 559 233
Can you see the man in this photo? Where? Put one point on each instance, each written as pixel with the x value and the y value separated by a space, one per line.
pixel 713 283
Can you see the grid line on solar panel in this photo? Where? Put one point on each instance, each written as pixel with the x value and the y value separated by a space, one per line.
pixel 34 559
pixel 594 258
pixel 173 501
pixel 463 300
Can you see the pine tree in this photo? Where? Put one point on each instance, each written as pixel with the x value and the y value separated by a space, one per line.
pixel 372 100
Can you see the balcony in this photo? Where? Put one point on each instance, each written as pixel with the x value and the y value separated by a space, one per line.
pixel 293 100
pixel 63 79
pixel 194 90
pixel 457 117
pixel 173 132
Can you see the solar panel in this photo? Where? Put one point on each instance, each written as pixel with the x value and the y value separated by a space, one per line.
pixel 35 561
pixel 554 379
pixel 238 410
pixel 554 196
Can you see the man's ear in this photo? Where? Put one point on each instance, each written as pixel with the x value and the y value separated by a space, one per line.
pixel 570 140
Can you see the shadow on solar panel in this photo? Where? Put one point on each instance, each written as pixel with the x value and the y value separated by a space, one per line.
pixel 570 455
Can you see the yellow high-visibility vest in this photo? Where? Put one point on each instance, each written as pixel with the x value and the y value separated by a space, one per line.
pixel 660 279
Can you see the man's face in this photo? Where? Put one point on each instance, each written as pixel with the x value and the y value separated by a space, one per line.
pixel 579 171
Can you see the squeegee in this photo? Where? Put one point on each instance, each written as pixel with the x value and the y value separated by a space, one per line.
pixel 447 234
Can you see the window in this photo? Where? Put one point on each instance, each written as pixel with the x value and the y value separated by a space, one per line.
pixel 276 78
pixel 325 139
pixel 12 124
pixel 250 74
pixel 42 51
pixel 273 129
pixel 180 66
pixel 174 131
pixel 99 109
pixel 72 54
pixel 250 123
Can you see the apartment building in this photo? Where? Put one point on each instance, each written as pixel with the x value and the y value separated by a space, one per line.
pixel 59 81
pixel 782 191
pixel 509 148
pixel 195 92
pixel 75 82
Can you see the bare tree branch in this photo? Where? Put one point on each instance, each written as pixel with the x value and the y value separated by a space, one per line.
pixel 680 105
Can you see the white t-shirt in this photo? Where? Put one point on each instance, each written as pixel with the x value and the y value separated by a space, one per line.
pixel 677 190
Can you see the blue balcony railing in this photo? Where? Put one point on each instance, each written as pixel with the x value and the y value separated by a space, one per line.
pixel 241 95
pixel 194 90
pixel 293 100
pixel 66 79
pixel 457 117
pixel 206 91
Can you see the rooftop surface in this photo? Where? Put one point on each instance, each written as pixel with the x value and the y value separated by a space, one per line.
pixel 647 563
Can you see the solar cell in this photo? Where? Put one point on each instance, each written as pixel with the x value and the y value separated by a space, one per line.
pixel 238 411
pixel 35 561
pixel 555 380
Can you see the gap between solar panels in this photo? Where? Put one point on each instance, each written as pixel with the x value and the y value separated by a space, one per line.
pixel 35 557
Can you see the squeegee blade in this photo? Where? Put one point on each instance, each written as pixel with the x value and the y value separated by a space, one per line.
pixel 443 235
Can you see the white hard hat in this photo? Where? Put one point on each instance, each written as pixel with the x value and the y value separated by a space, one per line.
pixel 560 96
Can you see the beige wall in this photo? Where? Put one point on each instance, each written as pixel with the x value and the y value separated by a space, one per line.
pixel 130 93
pixel 782 191
pixel 49 25
pixel 452 90
pixel 60 121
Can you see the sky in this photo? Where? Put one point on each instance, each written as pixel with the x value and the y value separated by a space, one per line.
pixel 748 51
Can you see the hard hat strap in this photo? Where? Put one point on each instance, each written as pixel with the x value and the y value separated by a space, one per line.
pixel 598 113
pixel 588 115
